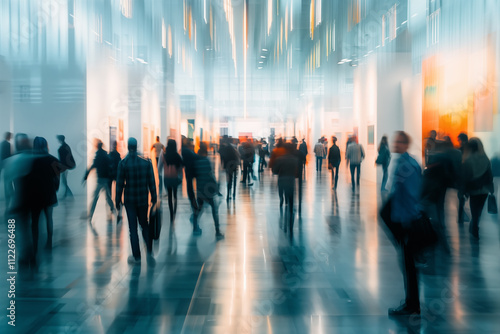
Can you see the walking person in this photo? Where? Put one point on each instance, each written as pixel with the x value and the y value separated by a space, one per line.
pixel 5 153
pixel 136 180
pixel 320 151
pixel 477 179
pixel 102 165
pixel 334 160
pixel 206 191
pixel 158 149
pixel 230 161
pixel 405 195
pixel 43 182
pixel 354 156
pixel 263 152
pixel 114 159
pixel 189 158
pixel 171 165
pixel 303 149
pixel 463 139
pixel 285 167
pixel 68 162
pixel 383 160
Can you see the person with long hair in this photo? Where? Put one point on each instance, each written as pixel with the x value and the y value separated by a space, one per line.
pixel 477 178
pixel 383 159
pixel 171 164
pixel 43 182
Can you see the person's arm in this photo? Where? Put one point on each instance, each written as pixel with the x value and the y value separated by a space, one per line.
pixel 120 182
pixel 90 169
pixel 362 152
pixel 151 183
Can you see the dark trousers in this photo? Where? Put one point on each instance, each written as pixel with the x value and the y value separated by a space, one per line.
pixel 231 178
pixel 319 163
pixel 35 219
pixel 64 181
pixel 247 171
pixel 355 167
pixel 262 163
pixel 286 188
pixel 190 192
pixel 299 188
pixel 476 209
pixel 410 277
pixel 461 205
pixel 215 212
pixel 138 214
pixel 385 176
pixel 335 175
pixel 172 199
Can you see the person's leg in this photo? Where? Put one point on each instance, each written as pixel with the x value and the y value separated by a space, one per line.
pixel 245 172
pixel 235 179
pixel 353 169
pixel 68 191
pixel 300 192
pixel 132 226
pixel 35 218
pixel 174 193
pixel 142 216
pixel 336 169
pixel 50 226
pixel 384 177
pixel 196 216
pixel 320 164
pixel 317 163
pixel 229 182
pixel 95 198
pixel 64 181
pixel 190 191
pixel 281 193
pixel 476 208
pixel 358 174
pixel 107 188
pixel 411 280
pixel 170 202
pixel 215 214
pixel 461 204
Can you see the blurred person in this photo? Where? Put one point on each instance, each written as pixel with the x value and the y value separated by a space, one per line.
pixel 230 160
pixel 334 160
pixel 171 165
pixel 477 179
pixel 5 153
pixel 463 139
pixel 278 151
pixel 430 144
pixel 67 160
pixel 189 159
pixel 285 167
pixel 384 159
pixel 303 149
pixel 136 180
pixel 43 182
pixel 405 196
pixel 301 158
pixel 354 156
pixel 320 151
pixel 495 169
pixel 114 159
pixel 102 165
pixel 158 149
pixel 263 152
pixel 207 189
pixel 248 156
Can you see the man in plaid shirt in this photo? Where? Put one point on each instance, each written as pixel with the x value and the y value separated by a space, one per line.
pixel 135 174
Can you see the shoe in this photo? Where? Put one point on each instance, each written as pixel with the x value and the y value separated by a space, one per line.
pixel 151 261
pixel 250 184
pixel 197 231
pixel 403 310
pixel 132 260
pixel 219 236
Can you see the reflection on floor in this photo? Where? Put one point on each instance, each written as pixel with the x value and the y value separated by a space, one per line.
pixel 337 273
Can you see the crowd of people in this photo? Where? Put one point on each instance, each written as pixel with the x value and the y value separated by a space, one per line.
pixel 32 179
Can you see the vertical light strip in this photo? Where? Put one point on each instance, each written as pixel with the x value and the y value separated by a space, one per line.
pixel 291 15
pixel 245 30
pixel 269 16
pixel 312 19
pixel 205 10
pixel 163 34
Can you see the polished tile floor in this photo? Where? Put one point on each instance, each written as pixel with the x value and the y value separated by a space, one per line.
pixel 337 273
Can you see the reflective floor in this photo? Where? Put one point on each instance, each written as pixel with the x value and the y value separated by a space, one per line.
pixel 338 273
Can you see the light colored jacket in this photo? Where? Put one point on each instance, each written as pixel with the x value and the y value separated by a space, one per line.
pixel 355 153
pixel 319 150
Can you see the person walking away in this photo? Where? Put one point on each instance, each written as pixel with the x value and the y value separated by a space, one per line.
pixel 334 160
pixel 463 139
pixel 189 158
pixel 230 161
pixel 301 158
pixel 157 149
pixel 206 191
pixel 477 178
pixel 43 182
pixel 137 182
pixel 102 165
pixel 68 162
pixel 114 158
pixel 383 160
pixel 285 167
pixel 319 150
pixel 171 165
pixel 405 209
pixel 263 152
pixel 5 153
pixel 354 156
pixel 303 149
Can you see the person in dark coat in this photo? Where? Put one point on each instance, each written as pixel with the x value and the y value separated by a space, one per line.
pixel 230 161
pixel 5 153
pixel 171 165
pixel 301 158
pixel 303 149
pixel 384 159
pixel 114 159
pixel 102 165
pixel 189 159
pixel 334 160
pixel 68 162
pixel 263 152
pixel 43 182
pixel 285 167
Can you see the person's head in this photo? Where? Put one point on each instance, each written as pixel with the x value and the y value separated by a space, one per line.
pixel 401 142
pixel 334 140
pixel 22 142
pixel 98 144
pixel 114 146
pixel 383 141
pixel 354 139
pixel 203 149
pixel 171 147
pixel 447 143
pixel 433 134
pixel 319 140
pixel 157 139
pixel 61 138
pixel 132 144
pixel 473 146
pixel 40 146
pixel 8 136
pixel 463 139
pixel 303 140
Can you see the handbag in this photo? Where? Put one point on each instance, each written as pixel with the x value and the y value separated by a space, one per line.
pixel 155 221
pixel 492 204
